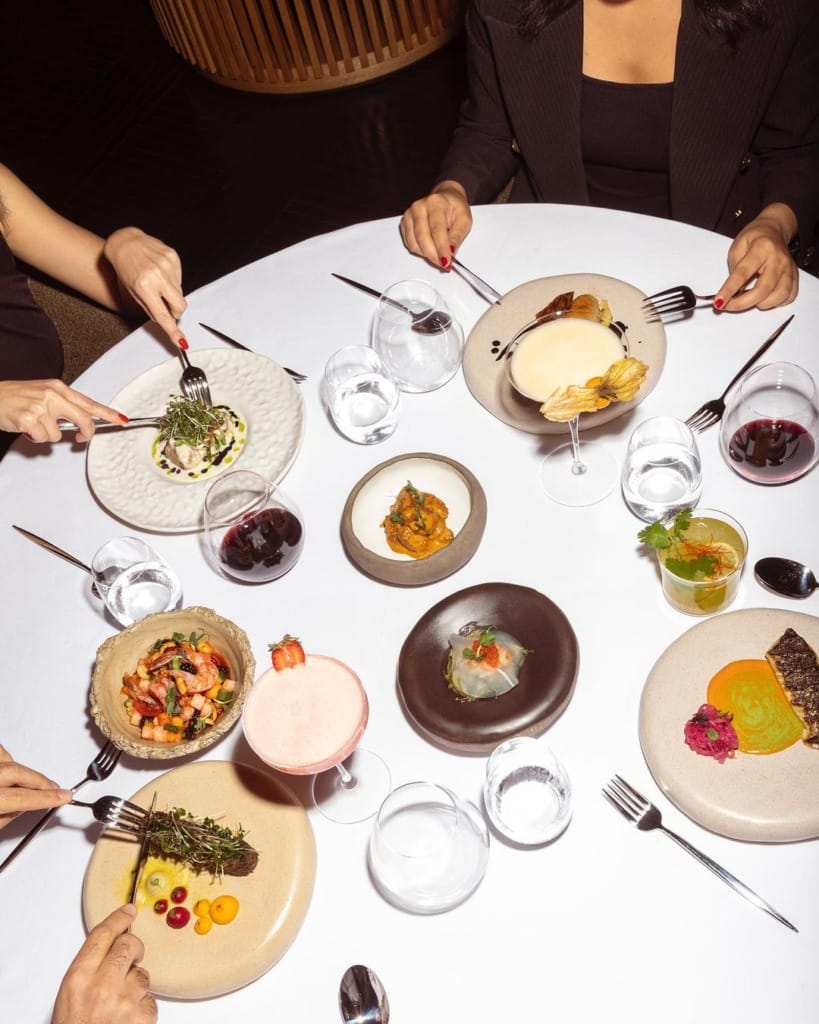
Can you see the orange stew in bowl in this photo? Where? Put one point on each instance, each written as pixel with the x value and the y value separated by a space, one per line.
pixel 182 686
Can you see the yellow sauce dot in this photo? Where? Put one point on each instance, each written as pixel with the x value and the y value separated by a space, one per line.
pixel 223 909
pixel 763 718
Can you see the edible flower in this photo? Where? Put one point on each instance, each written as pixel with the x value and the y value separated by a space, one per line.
pixel 620 383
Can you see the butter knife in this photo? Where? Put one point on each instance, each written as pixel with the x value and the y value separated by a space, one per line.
pixel 143 853
pixel 297 377
pixel 53 547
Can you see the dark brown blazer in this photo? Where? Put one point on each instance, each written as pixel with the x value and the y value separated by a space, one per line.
pixel 744 126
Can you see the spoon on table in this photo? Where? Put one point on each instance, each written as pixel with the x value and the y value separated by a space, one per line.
pixel 785 576
pixel 425 321
pixel 361 997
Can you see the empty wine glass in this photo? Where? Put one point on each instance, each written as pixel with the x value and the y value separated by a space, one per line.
pixel 418 339
pixel 770 431
pixel 569 347
pixel 308 720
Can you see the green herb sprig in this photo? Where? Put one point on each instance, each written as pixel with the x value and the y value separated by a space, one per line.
pixel 201 843
pixel 661 537
pixel 189 421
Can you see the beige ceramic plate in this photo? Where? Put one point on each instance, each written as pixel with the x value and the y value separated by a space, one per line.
pixel 120 653
pixel 764 798
pixel 370 500
pixel 273 900
pixel 485 373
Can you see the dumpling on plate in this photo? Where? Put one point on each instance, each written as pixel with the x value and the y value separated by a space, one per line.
pixel 483 662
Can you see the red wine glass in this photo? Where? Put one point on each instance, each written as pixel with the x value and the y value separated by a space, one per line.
pixel 255 532
pixel 770 432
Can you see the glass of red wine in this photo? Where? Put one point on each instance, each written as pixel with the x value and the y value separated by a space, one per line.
pixel 255 532
pixel 770 432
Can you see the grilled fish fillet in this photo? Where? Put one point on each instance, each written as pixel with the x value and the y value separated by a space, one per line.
pixel 797 669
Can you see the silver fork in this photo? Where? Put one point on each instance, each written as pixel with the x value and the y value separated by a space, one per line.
pixel 118 813
pixel 635 808
pixel 672 300
pixel 712 412
pixel 100 768
pixel 194 383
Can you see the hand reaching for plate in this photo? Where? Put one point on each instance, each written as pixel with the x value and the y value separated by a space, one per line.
pixel 104 985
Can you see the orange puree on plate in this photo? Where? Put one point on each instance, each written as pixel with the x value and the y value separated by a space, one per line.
pixel 763 718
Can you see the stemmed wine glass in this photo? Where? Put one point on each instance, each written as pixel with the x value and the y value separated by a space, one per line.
pixel 308 720
pixel 569 347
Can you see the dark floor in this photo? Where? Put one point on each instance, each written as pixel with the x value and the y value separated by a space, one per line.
pixel 102 118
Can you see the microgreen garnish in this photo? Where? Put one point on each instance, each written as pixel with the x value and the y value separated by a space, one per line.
pixel 191 422
pixel 199 842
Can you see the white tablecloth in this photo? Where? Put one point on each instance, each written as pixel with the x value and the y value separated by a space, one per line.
pixel 605 920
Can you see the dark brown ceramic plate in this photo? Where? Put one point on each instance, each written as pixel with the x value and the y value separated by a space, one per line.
pixel 546 680
pixel 369 502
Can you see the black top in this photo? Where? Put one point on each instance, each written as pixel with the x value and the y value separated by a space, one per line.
pixel 625 133
pixel 30 348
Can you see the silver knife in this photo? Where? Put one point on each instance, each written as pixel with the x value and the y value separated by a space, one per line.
pixel 143 852
pixel 53 547
pixel 496 295
pixel 137 421
pixel 226 337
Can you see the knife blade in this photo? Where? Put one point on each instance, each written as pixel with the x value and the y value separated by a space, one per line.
pixel 143 853
pixel 496 295
pixel 226 337
pixel 52 547
pixel 378 295
pixel 136 421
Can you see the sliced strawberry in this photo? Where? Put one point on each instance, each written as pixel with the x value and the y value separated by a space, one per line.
pixel 287 653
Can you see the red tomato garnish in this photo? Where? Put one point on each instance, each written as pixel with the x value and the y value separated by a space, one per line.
pixel 179 894
pixel 160 906
pixel 178 917
pixel 148 707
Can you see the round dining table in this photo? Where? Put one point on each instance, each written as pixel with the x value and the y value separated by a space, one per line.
pixel 604 919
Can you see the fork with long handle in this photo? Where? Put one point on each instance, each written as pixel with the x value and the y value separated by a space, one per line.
pixel 116 812
pixel 194 383
pixel 100 768
pixel 641 812
pixel 712 412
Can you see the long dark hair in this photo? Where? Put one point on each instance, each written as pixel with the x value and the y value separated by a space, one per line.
pixel 728 19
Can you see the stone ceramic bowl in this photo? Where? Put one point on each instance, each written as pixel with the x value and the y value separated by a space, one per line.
pixel 370 500
pixel 119 654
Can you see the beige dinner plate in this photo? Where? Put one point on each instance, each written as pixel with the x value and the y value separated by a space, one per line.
pixel 273 899
pixel 485 369
pixel 763 798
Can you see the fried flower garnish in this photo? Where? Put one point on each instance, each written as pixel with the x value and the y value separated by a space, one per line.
pixel 587 306
pixel 619 383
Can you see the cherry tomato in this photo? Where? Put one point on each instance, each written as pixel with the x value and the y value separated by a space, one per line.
pixel 179 894
pixel 160 906
pixel 148 707
pixel 178 917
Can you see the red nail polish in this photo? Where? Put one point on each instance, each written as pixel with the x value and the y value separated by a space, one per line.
pixel 123 417
pixel 719 302
pixel 183 344
pixel 444 261
pixel 452 249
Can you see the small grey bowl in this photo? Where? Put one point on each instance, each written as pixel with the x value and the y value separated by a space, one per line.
pixel 370 500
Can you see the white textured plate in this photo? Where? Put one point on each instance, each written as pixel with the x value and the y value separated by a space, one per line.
pixel 759 797
pixel 485 373
pixel 121 470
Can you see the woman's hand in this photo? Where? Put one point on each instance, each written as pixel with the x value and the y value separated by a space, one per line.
pixel 22 789
pixel 33 406
pixel 150 273
pixel 435 226
pixel 760 254
pixel 103 985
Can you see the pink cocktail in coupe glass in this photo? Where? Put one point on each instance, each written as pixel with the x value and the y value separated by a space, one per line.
pixel 308 720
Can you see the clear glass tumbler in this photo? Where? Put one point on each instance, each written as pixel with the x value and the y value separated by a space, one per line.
pixel 417 337
pixel 361 395
pixel 428 849
pixel 661 472
pixel 133 580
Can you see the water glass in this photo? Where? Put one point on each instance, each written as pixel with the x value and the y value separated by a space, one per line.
pixel 417 337
pixel 361 394
pixel 662 472
pixel 133 580
pixel 527 792
pixel 255 532
pixel 428 848
pixel 770 431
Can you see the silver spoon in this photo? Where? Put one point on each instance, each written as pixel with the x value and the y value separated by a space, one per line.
pixel 424 321
pixel 361 997
pixel 786 577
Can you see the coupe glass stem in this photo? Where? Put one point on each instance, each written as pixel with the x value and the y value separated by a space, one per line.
pixel 348 781
pixel 578 466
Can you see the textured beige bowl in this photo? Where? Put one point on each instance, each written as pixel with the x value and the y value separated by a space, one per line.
pixel 119 654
